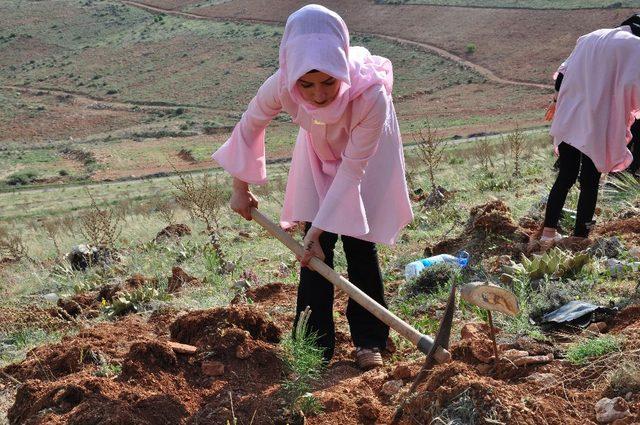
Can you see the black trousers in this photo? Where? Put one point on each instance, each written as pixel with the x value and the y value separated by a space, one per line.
pixel 572 163
pixel 634 146
pixel 317 293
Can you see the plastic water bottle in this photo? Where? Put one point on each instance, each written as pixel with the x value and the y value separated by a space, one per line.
pixel 413 269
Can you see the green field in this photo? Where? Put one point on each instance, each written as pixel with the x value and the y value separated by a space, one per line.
pixel 525 4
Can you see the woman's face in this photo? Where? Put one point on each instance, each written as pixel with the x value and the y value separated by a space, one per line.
pixel 318 88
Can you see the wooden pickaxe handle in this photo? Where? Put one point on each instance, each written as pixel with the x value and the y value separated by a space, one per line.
pixel 424 343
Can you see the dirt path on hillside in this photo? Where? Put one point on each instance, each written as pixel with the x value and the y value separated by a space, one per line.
pixel 488 74
pixel 114 104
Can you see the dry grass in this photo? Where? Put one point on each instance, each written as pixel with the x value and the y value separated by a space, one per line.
pixel 100 226
pixel 12 245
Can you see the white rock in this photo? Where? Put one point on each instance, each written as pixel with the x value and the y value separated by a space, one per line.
pixel 392 387
pixel 51 297
pixel 609 410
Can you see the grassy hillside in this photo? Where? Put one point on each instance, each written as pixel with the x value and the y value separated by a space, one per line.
pixel 524 4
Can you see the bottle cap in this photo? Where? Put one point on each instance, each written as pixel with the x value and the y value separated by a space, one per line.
pixel 463 258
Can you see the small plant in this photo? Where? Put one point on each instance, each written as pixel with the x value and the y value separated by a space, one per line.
pixel 581 352
pixel 132 302
pixel 304 361
pixel 51 228
pixel 101 227
pixel 460 410
pixel 431 149
pixel 515 143
pixel 471 48
pixel 484 152
pixel 553 263
pixel 108 370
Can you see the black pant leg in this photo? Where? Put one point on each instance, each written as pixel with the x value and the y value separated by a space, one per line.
pixel 634 146
pixel 364 272
pixel 589 184
pixel 316 292
pixel 567 176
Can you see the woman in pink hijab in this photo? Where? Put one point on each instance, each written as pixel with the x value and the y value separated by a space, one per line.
pixel 347 169
pixel 597 102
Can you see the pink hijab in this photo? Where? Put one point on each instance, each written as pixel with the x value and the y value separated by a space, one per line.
pixel 317 38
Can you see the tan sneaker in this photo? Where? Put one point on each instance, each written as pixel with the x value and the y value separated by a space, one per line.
pixel 368 358
pixel 556 238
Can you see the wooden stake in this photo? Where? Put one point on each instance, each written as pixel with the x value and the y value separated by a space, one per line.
pixel 493 339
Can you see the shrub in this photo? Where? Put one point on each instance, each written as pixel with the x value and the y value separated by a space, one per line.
pixel 21 178
pixel 100 226
pixel 581 352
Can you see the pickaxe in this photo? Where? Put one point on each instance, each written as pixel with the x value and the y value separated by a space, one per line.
pixel 435 351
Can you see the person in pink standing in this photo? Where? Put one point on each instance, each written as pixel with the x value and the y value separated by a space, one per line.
pixel 347 169
pixel 597 102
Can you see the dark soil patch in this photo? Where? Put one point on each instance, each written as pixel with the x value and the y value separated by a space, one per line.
pixel 173 231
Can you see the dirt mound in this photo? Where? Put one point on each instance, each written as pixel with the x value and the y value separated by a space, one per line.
pixel 628 317
pixel 86 350
pixel 628 229
pixel 203 328
pixel 180 278
pixel 127 373
pixel 493 217
pixel 145 357
pixel 456 392
pixel 490 230
pixel 271 293
pixel 173 231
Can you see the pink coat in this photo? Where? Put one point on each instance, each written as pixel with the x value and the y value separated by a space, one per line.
pixel 600 97
pixel 347 169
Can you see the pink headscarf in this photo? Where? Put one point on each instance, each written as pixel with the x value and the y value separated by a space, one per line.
pixel 317 38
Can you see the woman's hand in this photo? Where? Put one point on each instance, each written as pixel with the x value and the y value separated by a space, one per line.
pixel 312 248
pixel 551 110
pixel 242 200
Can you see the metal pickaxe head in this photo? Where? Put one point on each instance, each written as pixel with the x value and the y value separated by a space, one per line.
pixel 439 349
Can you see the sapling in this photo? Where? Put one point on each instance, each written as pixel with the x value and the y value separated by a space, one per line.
pixel 304 361
pixel 203 198
pixel 100 226
pixel 431 149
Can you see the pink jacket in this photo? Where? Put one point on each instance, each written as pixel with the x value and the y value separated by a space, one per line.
pixel 600 97
pixel 346 177
pixel 347 170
